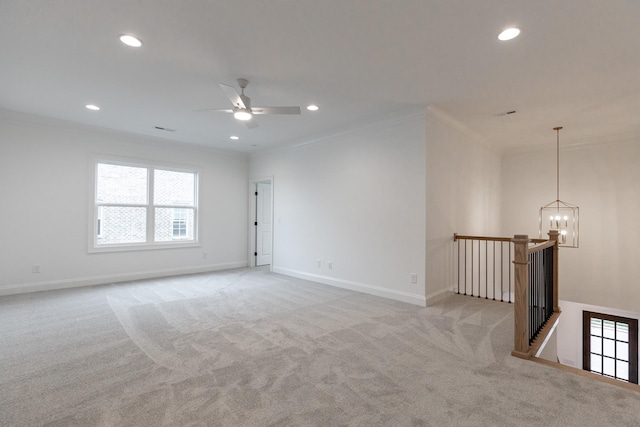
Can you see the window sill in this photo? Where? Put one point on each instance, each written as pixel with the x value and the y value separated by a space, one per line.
pixel 143 247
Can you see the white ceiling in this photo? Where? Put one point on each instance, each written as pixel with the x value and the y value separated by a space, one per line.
pixel 576 64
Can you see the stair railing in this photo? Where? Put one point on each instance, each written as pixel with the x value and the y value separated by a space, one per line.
pixel 536 292
pixel 517 270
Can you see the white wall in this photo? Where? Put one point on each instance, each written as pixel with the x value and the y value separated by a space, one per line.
pixel 356 199
pixel 602 179
pixel 463 193
pixel 45 174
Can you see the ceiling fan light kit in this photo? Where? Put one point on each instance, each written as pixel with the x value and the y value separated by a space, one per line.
pixel 242 114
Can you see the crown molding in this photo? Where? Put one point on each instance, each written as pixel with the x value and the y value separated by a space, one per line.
pixel 415 114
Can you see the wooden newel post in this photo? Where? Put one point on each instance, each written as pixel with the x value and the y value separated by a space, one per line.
pixel 553 235
pixel 521 284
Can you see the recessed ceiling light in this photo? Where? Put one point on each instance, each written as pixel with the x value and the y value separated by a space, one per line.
pixel 312 107
pixel 92 107
pixel 130 40
pixel 234 137
pixel 509 33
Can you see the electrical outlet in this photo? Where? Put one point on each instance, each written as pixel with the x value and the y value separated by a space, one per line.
pixel 204 255
pixel 318 263
pixel 35 268
pixel 414 278
pixel 568 362
pixel 330 265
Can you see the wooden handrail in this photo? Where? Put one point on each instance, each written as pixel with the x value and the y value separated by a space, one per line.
pixel 457 236
pixel 546 244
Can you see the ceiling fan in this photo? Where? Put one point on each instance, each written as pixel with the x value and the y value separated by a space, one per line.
pixel 242 109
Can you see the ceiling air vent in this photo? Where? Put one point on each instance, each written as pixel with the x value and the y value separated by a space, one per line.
pixel 165 129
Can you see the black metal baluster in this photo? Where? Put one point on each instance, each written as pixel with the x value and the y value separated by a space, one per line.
pixel 501 271
pixel 458 270
pixel 530 296
pixel 479 269
pixel 472 268
pixel 536 295
pixel 486 269
pixel 465 267
pixel 495 281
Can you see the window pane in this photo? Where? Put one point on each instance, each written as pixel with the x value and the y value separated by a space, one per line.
pixel 622 330
pixel 596 363
pixel 174 188
pixel 596 345
pixel 120 224
pixel 121 184
pixel 623 350
pixel 623 370
pixel 596 327
pixel 608 328
pixel 608 367
pixel 608 348
pixel 171 225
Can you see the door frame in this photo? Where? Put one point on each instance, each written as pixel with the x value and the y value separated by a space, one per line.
pixel 253 182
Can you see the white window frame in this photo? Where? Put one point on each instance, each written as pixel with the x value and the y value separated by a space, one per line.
pixel 150 207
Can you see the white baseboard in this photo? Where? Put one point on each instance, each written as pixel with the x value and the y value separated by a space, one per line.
pixel 438 296
pixel 113 278
pixel 354 286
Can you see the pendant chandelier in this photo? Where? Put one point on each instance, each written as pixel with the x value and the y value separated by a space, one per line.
pixel 559 215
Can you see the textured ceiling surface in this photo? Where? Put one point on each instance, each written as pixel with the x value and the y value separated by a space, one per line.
pixel 576 64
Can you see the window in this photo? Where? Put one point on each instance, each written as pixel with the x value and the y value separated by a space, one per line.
pixel 179 224
pixel 610 346
pixel 143 206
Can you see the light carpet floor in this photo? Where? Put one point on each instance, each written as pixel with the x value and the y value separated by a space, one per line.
pixel 251 348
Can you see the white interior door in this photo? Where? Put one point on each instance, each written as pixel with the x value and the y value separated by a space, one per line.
pixel 264 230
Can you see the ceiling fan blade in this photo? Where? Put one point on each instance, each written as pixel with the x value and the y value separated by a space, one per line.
pixel 216 110
pixel 233 95
pixel 275 110
pixel 251 124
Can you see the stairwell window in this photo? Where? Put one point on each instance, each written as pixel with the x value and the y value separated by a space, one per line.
pixel 141 206
pixel 610 346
